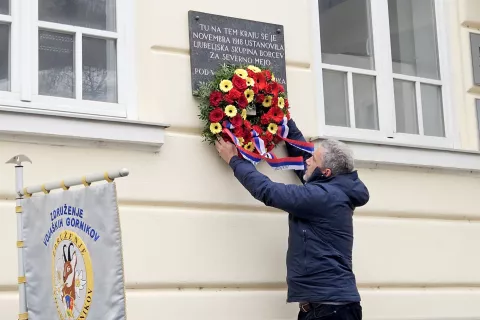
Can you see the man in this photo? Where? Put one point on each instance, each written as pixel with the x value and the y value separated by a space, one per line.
pixel 319 257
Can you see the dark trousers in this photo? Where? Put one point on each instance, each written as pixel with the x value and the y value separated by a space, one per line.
pixel 352 311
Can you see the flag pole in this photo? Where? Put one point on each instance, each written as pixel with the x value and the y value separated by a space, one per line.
pixel 67 183
pixel 17 161
pixel 21 192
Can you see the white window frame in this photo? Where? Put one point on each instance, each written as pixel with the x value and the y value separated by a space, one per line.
pixel 24 63
pixel 384 81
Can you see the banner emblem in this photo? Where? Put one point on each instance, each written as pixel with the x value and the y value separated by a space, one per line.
pixel 72 276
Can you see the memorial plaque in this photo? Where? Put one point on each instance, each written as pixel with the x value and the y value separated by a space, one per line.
pixel 217 40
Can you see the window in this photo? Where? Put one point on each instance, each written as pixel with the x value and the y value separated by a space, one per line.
pixel 380 72
pixel 5 27
pixel 65 55
pixel 477 104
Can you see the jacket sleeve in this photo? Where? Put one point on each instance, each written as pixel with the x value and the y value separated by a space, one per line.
pixel 295 134
pixel 295 199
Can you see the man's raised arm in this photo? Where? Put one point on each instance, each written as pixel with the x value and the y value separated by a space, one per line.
pixel 295 134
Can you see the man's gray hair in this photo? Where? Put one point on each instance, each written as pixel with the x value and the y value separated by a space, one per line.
pixel 337 157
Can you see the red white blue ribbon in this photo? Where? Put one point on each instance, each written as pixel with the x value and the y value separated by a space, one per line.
pixel 258 143
pixel 250 156
pixel 302 145
pixel 288 163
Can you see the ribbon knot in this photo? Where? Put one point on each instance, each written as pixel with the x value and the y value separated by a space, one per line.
pixel 287 163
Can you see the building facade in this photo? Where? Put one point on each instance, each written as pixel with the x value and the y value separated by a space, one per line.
pixel 87 86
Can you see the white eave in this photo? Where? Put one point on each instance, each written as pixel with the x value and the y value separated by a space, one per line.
pixel 52 128
pixel 392 154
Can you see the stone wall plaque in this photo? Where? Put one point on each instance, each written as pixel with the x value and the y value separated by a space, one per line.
pixel 216 40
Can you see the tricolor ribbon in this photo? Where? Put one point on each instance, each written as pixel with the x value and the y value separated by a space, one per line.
pixel 258 143
pixel 250 156
pixel 288 163
pixel 302 145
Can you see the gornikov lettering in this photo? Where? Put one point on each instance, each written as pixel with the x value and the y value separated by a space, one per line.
pixel 79 224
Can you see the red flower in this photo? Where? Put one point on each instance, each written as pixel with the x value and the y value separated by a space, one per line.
pixel 288 115
pixel 281 88
pixel 260 98
pixel 268 137
pixel 215 98
pixel 234 95
pixel 267 74
pixel 247 135
pixel 228 99
pixel 255 89
pixel 237 121
pixel 239 131
pixel 276 139
pixel 251 74
pixel 242 102
pixel 265 119
pixel 239 83
pixel 261 81
pixel 258 129
pixel 226 138
pixel 286 103
pixel 273 88
pixel 216 115
pixel 275 114
pixel 247 125
pixel 274 102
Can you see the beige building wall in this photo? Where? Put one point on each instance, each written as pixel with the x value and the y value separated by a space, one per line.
pixel 198 246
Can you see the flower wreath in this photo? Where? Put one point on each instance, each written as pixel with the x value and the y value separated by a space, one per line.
pixel 245 105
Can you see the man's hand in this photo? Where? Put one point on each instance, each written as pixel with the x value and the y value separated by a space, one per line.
pixel 226 150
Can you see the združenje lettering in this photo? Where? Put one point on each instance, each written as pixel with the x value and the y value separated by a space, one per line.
pixel 66 210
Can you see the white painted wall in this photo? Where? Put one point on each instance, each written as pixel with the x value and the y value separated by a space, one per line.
pixel 195 249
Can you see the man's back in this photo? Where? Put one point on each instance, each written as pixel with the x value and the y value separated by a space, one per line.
pixel 319 258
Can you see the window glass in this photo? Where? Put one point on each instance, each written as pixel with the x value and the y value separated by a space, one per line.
pixel 95 14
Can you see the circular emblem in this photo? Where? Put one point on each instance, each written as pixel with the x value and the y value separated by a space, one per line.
pixel 72 276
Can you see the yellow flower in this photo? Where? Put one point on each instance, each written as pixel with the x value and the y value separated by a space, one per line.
pixel 273 77
pixel 230 111
pixel 250 82
pixel 267 103
pixel 215 127
pixel 242 73
pixel 254 69
pixel 244 114
pixel 281 103
pixel 272 128
pixel 241 141
pixel 249 146
pixel 226 85
pixel 249 94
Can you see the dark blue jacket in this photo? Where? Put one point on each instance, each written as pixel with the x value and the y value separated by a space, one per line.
pixel 319 257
